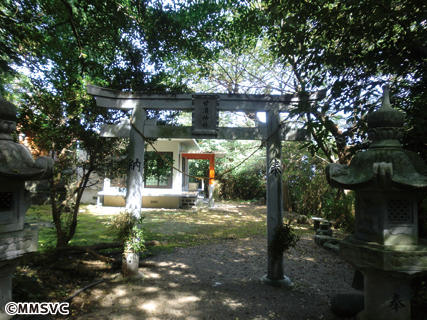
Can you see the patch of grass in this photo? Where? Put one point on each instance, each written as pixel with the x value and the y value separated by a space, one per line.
pixel 188 228
pixel 91 227
pixel 172 228
pixel 303 229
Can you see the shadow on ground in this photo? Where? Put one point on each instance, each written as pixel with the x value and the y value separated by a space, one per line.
pixel 221 281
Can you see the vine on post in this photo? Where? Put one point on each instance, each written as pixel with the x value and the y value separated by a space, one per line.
pixel 284 238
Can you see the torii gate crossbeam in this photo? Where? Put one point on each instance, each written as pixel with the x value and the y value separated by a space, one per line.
pixel 205 108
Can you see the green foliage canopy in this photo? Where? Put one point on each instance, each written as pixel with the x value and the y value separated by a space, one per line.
pixel 350 48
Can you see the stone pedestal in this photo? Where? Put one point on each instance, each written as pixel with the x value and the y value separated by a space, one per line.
pixel 387 295
pixel 12 246
pixel 285 282
pixel 6 270
pixel 388 271
pixel 324 229
pixel 316 222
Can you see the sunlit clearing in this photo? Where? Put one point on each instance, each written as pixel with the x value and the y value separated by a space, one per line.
pixel 187 299
pixel 125 302
pixel 153 275
pixel 150 306
pixel 165 264
pixel 309 259
pixel 233 304
pixel 151 289
pixel 120 291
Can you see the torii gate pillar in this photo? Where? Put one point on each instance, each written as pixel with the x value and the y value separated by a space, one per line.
pixel 135 179
pixel 274 274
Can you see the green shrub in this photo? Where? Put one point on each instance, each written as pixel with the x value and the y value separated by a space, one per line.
pixel 246 184
pixel 305 182
pixel 284 238
pixel 126 229
pixel 342 211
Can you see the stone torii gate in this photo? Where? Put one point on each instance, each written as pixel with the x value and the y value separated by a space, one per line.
pixel 205 109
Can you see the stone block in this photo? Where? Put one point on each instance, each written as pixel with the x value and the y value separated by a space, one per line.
pixel 322 239
pixel 409 258
pixel 316 222
pixel 15 244
pixel 332 246
pixel 324 232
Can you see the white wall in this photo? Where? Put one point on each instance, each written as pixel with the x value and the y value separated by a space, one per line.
pixel 175 147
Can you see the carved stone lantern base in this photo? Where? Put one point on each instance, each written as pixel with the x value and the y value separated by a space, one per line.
pixel 6 270
pixel 388 272
pixel 13 245
pixel 406 258
pixel 387 295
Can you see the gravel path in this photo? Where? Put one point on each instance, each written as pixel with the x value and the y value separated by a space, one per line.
pixel 221 281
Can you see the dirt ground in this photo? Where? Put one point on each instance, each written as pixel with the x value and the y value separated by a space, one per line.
pixel 215 281
pixel 222 281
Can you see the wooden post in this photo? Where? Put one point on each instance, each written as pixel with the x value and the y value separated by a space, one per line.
pixel 135 178
pixel 211 179
pixel 274 275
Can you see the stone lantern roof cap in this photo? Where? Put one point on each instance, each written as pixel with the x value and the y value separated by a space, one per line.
pixel 380 169
pixel 386 116
pixel 386 165
pixel 7 110
pixel 16 161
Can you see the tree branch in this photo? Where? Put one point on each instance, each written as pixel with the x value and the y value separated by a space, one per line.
pixel 73 26
pixel 88 250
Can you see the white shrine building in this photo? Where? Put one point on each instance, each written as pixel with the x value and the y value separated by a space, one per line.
pixel 172 191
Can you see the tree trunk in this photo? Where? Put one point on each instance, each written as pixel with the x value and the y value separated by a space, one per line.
pixel 287 205
pixel 336 214
pixel 80 189
pixel 61 239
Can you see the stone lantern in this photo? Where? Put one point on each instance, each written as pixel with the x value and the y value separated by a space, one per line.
pixel 385 246
pixel 16 166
